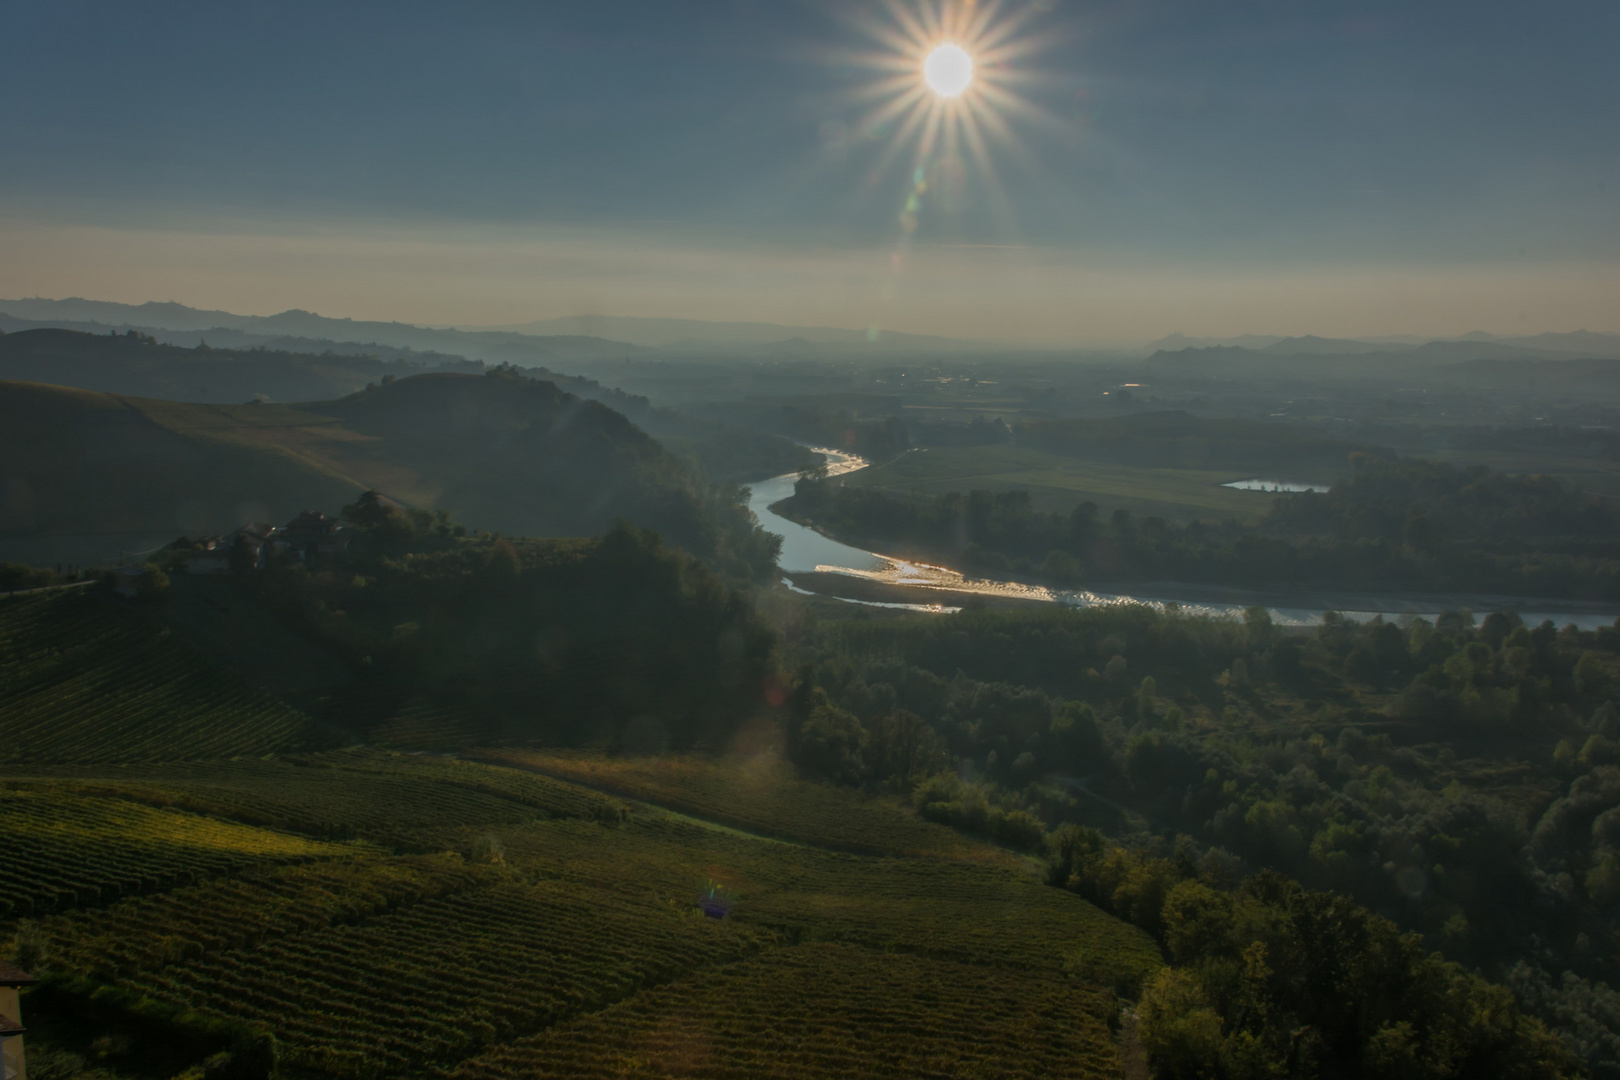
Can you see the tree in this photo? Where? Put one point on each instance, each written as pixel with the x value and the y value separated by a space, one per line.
pixel 831 744
pixel 1180 1030
pixel 901 745
pixel 1591 677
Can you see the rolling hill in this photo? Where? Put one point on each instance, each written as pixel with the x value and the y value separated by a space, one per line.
pixel 134 363
pixel 305 369
pixel 499 451
pixel 81 463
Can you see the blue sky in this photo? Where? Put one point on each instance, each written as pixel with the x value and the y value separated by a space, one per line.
pixel 1198 145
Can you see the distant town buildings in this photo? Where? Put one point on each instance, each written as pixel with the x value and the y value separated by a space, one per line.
pixel 311 532
pixel 242 550
pixel 246 548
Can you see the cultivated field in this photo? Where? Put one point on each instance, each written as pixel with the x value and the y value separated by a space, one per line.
pixel 65 849
pixel 538 908
pixel 759 796
pixel 830 1010
pixel 1059 483
pixel 83 679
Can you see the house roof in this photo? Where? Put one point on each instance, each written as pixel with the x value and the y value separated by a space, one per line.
pixel 14 976
pixel 9 1027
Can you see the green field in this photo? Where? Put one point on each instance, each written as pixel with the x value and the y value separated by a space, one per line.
pixel 1058 483
pixel 489 918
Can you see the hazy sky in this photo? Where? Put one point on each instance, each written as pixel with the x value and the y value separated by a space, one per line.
pixel 1288 167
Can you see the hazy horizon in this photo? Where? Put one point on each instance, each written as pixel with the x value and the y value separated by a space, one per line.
pixel 1134 170
pixel 604 317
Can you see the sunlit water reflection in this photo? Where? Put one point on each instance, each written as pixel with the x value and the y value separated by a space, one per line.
pixel 1268 484
pixel 804 551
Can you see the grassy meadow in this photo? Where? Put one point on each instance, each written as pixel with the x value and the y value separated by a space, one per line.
pixel 1058 483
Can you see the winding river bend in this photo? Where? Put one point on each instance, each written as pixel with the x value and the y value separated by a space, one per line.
pixel 805 551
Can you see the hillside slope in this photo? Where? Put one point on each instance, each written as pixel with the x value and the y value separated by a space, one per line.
pixel 498 451
pixel 76 462
pixel 508 925
pixel 291 369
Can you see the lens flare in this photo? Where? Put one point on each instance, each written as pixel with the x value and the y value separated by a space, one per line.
pixel 945 88
pixel 948 70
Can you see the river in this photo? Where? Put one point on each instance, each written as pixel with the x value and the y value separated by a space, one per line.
pixel 804 551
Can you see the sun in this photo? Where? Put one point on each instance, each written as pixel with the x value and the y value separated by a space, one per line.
pixel 948 70
pixel 947 84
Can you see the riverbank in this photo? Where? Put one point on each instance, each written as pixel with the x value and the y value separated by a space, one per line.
pixel 821 564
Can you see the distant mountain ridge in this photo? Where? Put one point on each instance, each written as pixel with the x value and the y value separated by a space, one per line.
pixel 665 333
pixel 492 347
pixel 1324 357
pixel 584 339
pixel 1584 343
pixel 581 338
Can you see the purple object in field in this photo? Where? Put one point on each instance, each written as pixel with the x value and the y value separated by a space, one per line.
pixel 716 903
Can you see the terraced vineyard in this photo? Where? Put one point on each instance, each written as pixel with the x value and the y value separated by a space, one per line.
pixel 443 978
pixel 64 849
pixel 384 797
pixel 829 1011
pixel 84 679
pixel 149 932
pixel 758 796
pixel 949 909
pixel 537 908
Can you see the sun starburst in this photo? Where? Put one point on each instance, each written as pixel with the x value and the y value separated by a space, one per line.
pixel 946 85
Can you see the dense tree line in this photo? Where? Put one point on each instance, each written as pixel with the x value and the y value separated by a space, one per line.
pixel 614 641
pixel 1270 980
pixel 1393 525
pixel 1459 780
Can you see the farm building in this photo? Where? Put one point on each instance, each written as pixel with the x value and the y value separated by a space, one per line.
pixel 212 556
pixel 218 554
pixel 12 1063
pixel 312 531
